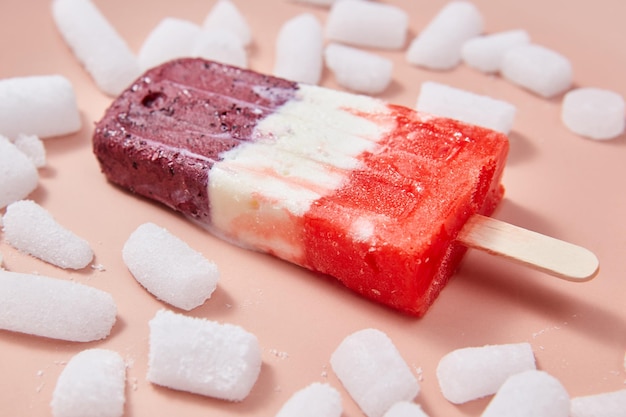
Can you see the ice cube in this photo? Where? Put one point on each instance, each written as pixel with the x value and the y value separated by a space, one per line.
pixel 30 228
pixel 541 70
pixel 405 409
pixel 485 52
pixel 91 384
pixel 221 45
pixel 530 393
pixel 169 268
pixel 18 174
pixel 594 113
pixel 42 105
pixel 96 44
pixel 438 45
pixel 470 373
pixel 170 38
pixel 442 100
pixel 367 23
pixel 32 147
pixel 606 404
pixel 315 400
pixel 299 50
pixel 373 372
pixel 225 15
pixel 54 308
pixel 202 356
pixel 358 70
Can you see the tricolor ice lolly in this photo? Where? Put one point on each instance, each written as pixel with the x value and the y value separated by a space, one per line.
pixel 374 194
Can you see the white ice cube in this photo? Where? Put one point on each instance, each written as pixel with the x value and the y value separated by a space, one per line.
pixel 485 52
pixel 170 38
pixel 530 393
pixel 594 113
pixel 96 44
pixel 30 228
pixel 202 356
pixel 42 105
pixel 438 45
pixel 470 373
pixel 373 372
pixel 367 23
pixel 606 404
pixel 299 50
pixel 91 384
pixel 315 400
pixel 169 268
pixel 18 174
pixel 445 101
pixel 32 147
pixel 54 308
pixel 405 409
pixel 358 70
pixel 222 46
pixel 225 15
pixel 538 69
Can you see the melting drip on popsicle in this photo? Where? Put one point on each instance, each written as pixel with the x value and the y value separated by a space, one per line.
pixel 381 197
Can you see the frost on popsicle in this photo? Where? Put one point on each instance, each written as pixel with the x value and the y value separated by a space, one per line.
pixel 18 174
pixel 169 268
pixel 530 393
pixel 372 371
pixel 315 400
pixel 91 384
pixel 202 356
pixel 30 228
pixel 54 308
pixel 42 105
pixel 470 373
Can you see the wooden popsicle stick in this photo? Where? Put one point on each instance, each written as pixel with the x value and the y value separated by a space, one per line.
pixel 553 256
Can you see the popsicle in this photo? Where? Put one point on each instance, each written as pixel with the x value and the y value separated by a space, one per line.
pixel 381 197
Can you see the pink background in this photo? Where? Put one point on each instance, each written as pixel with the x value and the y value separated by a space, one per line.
pixel 557 183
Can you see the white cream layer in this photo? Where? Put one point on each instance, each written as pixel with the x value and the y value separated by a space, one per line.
pixel 261 190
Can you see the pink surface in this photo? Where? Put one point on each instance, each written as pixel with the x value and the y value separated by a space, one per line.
pixel 557 183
